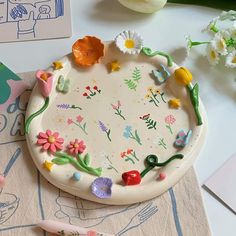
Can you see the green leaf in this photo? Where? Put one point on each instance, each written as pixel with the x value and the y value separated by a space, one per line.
pixel 61 155
pixel 61 161
pixel 84 126
pixel 195 95
pixel 87 159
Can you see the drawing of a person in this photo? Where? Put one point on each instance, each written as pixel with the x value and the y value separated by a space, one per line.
pixel 44 12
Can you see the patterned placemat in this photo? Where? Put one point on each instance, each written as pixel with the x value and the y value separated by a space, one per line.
pixel 28 198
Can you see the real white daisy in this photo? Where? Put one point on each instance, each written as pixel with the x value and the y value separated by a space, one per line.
pixel 219 44
pixel 211 27
pixel 212 55
pixel 231 60
pixel 129 42
pixel 228 15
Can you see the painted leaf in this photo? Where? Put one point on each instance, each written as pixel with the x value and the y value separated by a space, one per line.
pixel 61 161
pixel 136 75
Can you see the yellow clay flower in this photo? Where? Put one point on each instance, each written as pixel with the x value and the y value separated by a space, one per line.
pixel 57 65
pixel 48 165
pixel 183 76
pixel 174 103
pixel 115 66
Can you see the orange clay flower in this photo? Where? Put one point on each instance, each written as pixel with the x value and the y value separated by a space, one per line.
pixel 88 51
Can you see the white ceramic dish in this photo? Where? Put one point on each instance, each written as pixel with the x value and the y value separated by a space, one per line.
pixel 134 104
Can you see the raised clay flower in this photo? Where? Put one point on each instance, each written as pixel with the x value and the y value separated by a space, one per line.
pixel 219 44
pixel 183 76
pixel 231 60
pixel 101 187
pixel 50 141
pixel 212 55
pixel 76 147
pixel 129 42
pixel 45 80
pixel 88 51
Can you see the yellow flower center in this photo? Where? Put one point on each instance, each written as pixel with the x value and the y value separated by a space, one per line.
pixel 129 43
pixel 51 139
pixel 221 44
pixel 44 76
pixel 213 55
pixel 76 145
pixel 234 60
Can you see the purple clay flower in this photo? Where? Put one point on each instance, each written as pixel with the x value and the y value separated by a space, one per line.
pixel 101 187
pixel 102 126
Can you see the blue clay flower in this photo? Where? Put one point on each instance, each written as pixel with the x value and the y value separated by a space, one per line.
pixel 101 187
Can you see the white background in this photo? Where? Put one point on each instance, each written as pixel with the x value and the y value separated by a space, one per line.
pixel 166 31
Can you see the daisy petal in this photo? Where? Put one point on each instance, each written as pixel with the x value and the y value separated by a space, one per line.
pixel 41 141
pixel 53 148
pixel 46 146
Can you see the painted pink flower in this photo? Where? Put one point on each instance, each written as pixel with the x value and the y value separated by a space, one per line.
pixel 50 141
pixel 119 104
pixel 45 80
pixel 114 107
pixel 129 151
pixel 170 120
pixel 69 121
pixel 79 118
pixel 76 147
pixel 123 154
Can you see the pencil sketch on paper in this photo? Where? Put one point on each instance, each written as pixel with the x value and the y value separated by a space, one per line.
pixel 9 202
pixel 88 214
pixel 26 19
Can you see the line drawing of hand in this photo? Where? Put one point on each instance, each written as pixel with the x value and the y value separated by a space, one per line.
pixel 142 216
pixel 86 213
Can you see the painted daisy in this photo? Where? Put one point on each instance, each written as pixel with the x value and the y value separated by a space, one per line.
pixel 129 42
pixel 231 60
pixel 212 55
pixel 219 44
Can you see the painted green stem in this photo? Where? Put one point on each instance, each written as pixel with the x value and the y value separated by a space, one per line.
pixel 118 112
pixel 194 97
pixel 148 52
pixel 152 162
pixel 31 117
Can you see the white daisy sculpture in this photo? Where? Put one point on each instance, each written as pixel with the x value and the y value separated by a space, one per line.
pixel 129 42
pixel 223 43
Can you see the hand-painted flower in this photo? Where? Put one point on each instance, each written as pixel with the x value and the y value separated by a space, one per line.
pixel 92 233
pixel 88 87
pixel 123 154
pixel 85 94
pixel 231 60
pixel 45 80
pixel 170 119
pixel 50 141
pixel 76 147
pixel 183 76
pixel 129 42
pixel 132 177
pixel 101 187
pixel 128 128
pixel 95 87
pixel 129 151
pixel 69 121
pixel 114 107
pixel 79 118
pixel 88 51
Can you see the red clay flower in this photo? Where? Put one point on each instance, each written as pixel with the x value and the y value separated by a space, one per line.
pixel 132 177
pixel 76 147
pixel 50 141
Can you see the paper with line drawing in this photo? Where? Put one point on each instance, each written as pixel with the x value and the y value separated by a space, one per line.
pixel 22 20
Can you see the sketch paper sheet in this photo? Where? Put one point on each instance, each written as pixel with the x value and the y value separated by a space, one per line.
pixel 222 184
pixel 22 20
pixel 28 198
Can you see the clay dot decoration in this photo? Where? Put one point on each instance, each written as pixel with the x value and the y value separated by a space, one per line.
pixel 76 176
pixel 162 176
pixel 88 51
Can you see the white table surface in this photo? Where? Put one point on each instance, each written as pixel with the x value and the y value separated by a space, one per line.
pixel 164 31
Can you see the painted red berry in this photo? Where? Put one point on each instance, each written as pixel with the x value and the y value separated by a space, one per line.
pixel 95 87
pixel 162 176
pixel 88 88
pixel 132 177
pixel 2 181
pixel 85 94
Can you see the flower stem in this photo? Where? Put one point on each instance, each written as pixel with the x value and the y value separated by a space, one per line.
pixel 30 118
pixel 148 52
pixel 119 114
pixel 169 128
pixel 108 134
pixel 129 159
pixel 81 127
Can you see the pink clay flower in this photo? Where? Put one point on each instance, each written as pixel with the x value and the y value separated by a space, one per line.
pixel 45 80
pixel 76 147
pixel 50 141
